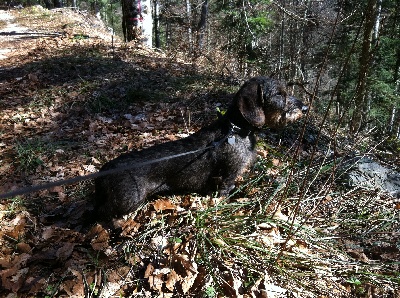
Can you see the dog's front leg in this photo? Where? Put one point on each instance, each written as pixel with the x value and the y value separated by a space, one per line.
pixel 226 189
pixel 226 185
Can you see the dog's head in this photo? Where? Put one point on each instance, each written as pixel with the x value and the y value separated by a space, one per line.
pixel 264 101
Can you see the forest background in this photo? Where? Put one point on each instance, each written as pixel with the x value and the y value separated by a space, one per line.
pixel 345 50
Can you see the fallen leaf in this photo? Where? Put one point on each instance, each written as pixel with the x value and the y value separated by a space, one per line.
pixel 74 288
pixel 23 247
pixel 275 162
pixel 280 216
pixel 172 279
pixel 65 251
pixel 17 228
pixel 188 281
pixel 14 277
pixel 156 282
pixel 90 168
pixel 262 152
pixel 163 204
pixel 149 270
pixel 99 237
pixel 34 284
pixel 130 228
pixel 358 255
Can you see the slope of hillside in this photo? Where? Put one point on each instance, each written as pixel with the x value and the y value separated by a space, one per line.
pixel 73 97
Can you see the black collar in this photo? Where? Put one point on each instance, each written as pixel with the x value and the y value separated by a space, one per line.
pixel 235 129
pixel 232 129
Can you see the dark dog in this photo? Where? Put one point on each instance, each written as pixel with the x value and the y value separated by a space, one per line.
pixel 223 151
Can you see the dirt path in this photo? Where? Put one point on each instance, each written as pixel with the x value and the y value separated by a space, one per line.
pixel 10 33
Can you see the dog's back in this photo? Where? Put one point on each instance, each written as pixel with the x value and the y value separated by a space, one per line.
pixel 179 171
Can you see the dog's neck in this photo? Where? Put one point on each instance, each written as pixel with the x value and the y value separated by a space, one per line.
pixel 236 124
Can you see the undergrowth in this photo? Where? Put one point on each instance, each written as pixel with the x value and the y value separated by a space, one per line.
pixel 263 240
pixel 31 154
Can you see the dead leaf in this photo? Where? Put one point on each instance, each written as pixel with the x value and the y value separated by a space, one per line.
pixel 90 168
pixel 74 287
pixel 262 152
pixel 23 247
pixel 17 228
pixel 172 279
pixel 186 201
pixel 186 269
pixel 56 235
pixel 163 204
pixel 8 280
pixel 99 237
pixel 149 270
pixel 5 262
pixel 280 216
pixel 14 277
pixel 156 282
pixel 188 281
pixel 185 262
pixel 327 199
pixel 95 161
pixel 34 284
pixel 130 228
pixel 118 273
pixel 275 162
pixel 65 251
pixel 358 255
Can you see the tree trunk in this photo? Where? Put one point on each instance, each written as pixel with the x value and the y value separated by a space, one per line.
pixel 392 120
pixel 130 20
pixel 47 3
pixel 361 99
pixel 145 28
pixel 156 23
pixel 189 26
pixel 377 22
pixel 395 111
pixel 168 27
pixel 57 3
pixel 282 40
pixel 202 25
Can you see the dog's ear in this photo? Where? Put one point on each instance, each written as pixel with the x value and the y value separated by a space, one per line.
pixel 250 101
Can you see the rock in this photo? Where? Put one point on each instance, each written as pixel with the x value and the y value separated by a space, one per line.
pixel 371 174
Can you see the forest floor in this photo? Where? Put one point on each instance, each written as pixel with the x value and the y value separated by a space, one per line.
pixel 72 97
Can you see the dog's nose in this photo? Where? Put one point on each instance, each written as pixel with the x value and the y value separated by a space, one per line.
pixel 304 109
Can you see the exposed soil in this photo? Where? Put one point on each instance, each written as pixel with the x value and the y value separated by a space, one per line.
pixel 10 33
